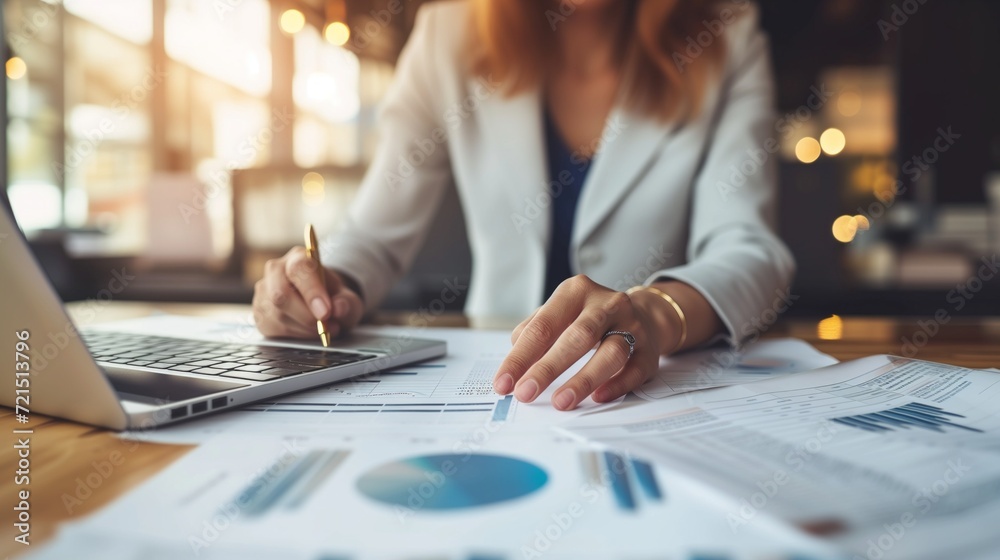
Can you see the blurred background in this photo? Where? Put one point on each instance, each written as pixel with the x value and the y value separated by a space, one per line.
pixel 190 140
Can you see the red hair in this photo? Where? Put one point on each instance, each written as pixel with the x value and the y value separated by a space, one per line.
pixel 515 43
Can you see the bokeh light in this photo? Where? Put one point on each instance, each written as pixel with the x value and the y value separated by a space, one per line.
pixel 807 150
pixel 292 21
pixel 337 33
pixel 845 228
pixel 832 141
pixel 313 188
pixel 831 328
pixel 16 68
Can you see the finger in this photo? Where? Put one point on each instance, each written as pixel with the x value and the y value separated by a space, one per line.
pixel 347 309
pixel 578 339
pixel 538 336
pixel 635 373
pixel 271 320
pixel 287 302
pixel 516 333
pixel 503 381
pixel 304 273
pixel 609 359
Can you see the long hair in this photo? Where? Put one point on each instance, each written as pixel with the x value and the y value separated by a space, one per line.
pixel 669 52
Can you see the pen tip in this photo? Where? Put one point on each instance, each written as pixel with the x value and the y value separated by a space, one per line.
pixel 325 338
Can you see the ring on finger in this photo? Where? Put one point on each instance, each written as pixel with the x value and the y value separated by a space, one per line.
pixel 629 338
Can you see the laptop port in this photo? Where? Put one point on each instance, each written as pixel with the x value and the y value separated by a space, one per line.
pixel 219 402
pixel 199 407
pixel 179 412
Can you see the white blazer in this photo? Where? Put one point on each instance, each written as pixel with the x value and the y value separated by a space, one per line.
pixel 661 201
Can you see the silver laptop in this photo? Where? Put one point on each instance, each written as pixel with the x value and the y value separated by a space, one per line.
pixel 136 380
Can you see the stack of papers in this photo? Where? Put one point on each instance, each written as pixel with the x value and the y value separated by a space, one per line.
pixel 894 458
pixel 426 461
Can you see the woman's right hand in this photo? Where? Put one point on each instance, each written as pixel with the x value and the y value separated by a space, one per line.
pixel 290 298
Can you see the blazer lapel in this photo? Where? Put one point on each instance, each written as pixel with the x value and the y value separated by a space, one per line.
pixel 631 143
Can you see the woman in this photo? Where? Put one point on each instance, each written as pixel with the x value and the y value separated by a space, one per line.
pixel 597 146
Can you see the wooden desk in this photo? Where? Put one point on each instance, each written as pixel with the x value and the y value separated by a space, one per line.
pixel 73 470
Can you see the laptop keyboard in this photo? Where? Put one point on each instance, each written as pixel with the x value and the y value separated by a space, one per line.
pixel 214 359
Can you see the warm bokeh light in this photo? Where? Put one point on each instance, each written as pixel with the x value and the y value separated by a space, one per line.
pixel 292 21
pixel 849 103
pixel 845 228
pixel 337 33
pixel 862 222
pixel 807 150
pixel 16 68
pixel 313 188
pixel 831 328
pixel 832 141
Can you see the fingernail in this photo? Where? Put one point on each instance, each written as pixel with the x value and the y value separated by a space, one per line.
pixel 565 399
pixel 526 391
pixel 319 308
pixel 601 395
pixel 503 384
pixel 340 308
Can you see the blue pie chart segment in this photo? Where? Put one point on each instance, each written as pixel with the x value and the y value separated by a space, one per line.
pixel 450 481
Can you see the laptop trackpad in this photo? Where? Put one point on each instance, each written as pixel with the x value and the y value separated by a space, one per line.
pixel 162 388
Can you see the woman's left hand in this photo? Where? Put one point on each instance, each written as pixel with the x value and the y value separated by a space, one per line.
pixel 569 325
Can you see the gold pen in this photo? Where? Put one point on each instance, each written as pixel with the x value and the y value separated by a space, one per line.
pixel 312 251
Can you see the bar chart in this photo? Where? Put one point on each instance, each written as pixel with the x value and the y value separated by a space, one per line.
pixel 910 415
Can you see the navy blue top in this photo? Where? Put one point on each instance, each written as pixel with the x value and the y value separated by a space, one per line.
pixel 567 172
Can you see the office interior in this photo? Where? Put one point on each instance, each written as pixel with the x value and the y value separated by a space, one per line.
pixel 186 142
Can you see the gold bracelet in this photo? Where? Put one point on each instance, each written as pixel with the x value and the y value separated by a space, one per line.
pixel 677 309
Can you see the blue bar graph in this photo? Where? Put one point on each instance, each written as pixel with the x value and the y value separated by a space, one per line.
pixel 646 479
pixel 620 485
pixel 912 415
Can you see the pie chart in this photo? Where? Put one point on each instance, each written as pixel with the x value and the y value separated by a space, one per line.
pixel 451 481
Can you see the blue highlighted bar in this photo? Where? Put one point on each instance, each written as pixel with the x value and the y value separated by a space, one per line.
pixel 646 479
pixel 621 488
pixel 502 409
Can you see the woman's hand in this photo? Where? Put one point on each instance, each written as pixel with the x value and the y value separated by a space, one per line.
pixel 565 328
pixel 290 298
